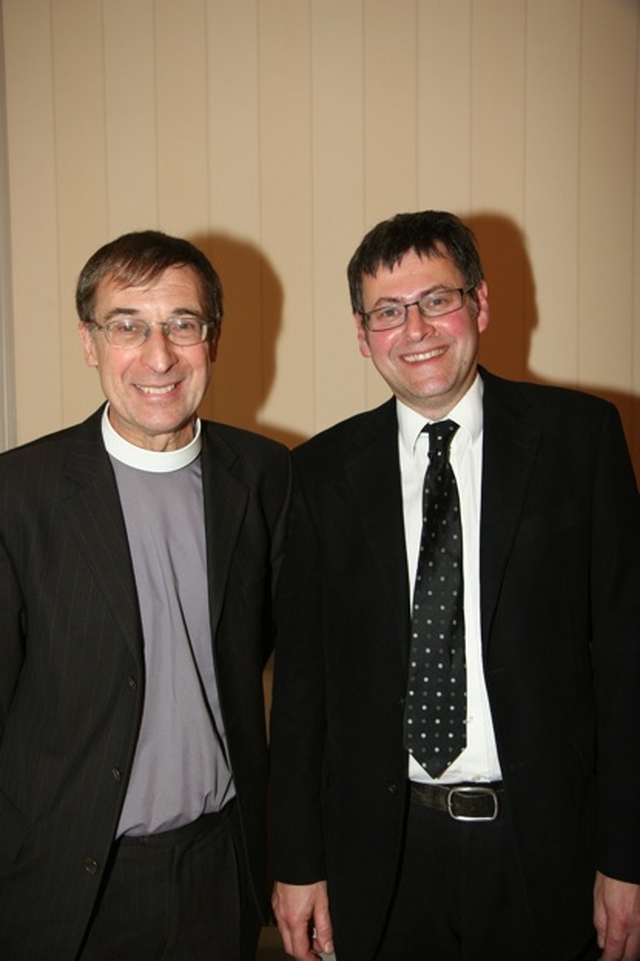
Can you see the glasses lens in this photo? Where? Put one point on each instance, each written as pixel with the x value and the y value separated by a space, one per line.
pixel 125 333
pixel 185 331
pixel 383 318
pixel 440 302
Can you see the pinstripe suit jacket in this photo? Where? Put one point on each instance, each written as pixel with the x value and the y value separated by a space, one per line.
pixel 72 668
pixel 560 611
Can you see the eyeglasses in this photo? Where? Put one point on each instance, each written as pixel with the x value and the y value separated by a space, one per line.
pixel 436 303
pixel 128 332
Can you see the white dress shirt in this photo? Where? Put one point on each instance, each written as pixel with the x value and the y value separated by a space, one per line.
pixel 479 760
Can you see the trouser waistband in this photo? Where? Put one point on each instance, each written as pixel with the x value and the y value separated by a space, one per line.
pixel 462 802
pixel 202 825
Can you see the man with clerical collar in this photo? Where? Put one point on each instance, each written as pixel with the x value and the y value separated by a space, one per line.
pixel 138 555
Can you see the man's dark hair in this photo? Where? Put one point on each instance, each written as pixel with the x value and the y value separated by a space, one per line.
pixel 430 233
pixel 137 258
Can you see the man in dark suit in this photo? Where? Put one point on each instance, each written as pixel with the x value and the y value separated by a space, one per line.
pixel 138 552
pixel 461 807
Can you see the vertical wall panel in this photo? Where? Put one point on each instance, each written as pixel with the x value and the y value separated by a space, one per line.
pixel 338 214
pixel 33 209
pixel 444 107
pixel 390 107
pixel 244 373
pixel 233 121
pixel 130 115
pixel 81 187
pixel 498 45
pixel 286 204
pixel 391 122
pixel 552 186
pixel 182 113
pixel 7 386
pixel 608 170
pixel 498 58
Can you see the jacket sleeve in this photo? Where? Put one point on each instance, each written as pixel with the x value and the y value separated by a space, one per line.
pixel 12 633
pixel 615 607
pixel 297 717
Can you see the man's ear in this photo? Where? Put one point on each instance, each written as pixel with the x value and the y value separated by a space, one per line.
pixel 214 343
pixel 482 299
pixel 362 335
pixel 88 345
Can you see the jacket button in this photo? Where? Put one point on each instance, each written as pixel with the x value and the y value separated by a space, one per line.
pixel 392 787
pixel 91 866
pixel 117 773
pixel 133 684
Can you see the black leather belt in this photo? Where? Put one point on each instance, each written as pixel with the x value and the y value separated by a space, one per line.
pixel 462 802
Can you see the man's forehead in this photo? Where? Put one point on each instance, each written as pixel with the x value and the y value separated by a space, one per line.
pixel 412 262
pixel 179 276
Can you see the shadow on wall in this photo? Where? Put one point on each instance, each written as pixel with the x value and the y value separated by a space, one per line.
pixel 241 381
pixel 246 367
pixel 506 344
pixel 253 297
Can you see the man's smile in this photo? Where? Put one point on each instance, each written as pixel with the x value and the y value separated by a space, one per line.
pixel 156 390
pixel 425 355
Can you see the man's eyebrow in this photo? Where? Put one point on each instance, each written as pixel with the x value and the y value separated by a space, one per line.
pixel 134 312
pixel 409 299
pixel 187 312
pixel 118 311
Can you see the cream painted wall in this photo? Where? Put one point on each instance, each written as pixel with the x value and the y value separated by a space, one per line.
pixel 275 132
pixel 7 418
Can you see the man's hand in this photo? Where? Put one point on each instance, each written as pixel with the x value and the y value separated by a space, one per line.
pixel 302 913
pixel 616 915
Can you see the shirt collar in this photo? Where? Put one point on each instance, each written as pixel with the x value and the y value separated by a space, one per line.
pixel 467 413
pixel 156 462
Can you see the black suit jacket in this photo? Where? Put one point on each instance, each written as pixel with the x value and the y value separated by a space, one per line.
pixel 72 668
pixel 560 610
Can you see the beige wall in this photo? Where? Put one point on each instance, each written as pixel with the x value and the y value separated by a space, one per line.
pixel 275 132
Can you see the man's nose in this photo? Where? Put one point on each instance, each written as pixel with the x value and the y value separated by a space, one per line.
pixel 157 351
pixel 416 324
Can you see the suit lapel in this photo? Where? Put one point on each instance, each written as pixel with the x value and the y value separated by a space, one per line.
pixel 93 512
pixel 509 449
pixel 225 502
pixel 373 472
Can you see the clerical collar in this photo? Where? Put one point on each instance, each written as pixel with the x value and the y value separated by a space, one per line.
pixel 153 461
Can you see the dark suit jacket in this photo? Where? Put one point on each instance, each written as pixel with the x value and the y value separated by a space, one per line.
pixel 72 668
pixel 560 608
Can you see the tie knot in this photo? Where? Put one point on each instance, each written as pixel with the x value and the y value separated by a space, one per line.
pixel 440 435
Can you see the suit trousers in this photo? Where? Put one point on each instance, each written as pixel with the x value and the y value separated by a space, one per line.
pixel 175 896
pixel 460 895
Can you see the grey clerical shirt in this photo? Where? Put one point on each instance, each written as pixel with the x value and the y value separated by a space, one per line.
pixel 180 768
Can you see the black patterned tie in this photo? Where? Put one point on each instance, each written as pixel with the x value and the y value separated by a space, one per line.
pixel 436 705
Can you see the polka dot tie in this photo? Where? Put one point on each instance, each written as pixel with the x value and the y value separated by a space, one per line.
pixel 436 703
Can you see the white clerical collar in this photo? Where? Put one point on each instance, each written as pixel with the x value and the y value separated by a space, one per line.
pixel 154 461
pixel 467 413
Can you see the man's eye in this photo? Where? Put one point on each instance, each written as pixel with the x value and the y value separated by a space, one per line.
pixel 443 298
pixel 390 312
pixel 124 327
pixel 185 324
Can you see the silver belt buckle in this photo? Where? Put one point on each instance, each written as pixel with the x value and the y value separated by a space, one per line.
pixel 472 790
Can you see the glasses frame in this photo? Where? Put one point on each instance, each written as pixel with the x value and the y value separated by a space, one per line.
pixel 463 291
pixel 165 325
